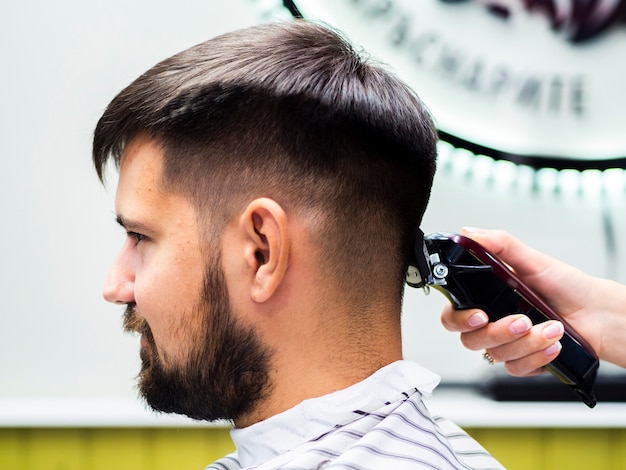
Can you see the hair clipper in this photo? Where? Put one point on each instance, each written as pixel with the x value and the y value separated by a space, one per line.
pixel 471 277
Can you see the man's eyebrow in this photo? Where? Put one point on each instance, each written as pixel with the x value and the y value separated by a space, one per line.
pixel 131 225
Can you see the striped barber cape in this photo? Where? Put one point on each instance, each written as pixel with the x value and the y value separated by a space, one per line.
pixel 380 423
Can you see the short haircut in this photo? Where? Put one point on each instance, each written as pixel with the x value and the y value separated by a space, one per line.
pixel 293 112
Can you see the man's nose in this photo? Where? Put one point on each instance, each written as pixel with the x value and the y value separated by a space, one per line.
pixel 119 287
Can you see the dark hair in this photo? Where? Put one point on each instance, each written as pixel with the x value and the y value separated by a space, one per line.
pixel 289 111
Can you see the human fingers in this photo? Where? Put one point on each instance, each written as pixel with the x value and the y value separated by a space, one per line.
pixel 496 334
pixel 533 364
pixel 530 353
pixel 462 320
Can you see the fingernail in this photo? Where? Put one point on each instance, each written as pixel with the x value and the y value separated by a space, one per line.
pixel 478 319
pixel 476 230
pixel 555 330
pixel 552 349
pixel 521 325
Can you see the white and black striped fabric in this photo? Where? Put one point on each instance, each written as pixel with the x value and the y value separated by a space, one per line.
pixel 378 424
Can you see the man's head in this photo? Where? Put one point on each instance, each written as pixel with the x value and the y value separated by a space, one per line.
pixel 289 113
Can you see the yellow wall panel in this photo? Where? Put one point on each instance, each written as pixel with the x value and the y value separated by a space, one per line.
pixel 188 448
pixel 112 448
pixel 555 449
pixel 570 448
pixel 55 449
pixel 618 447
pixel 516 449
pixel 11 449
pixel 118 448
pixel 194 448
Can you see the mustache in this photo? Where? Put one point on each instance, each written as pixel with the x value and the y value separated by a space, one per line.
pixel 133 323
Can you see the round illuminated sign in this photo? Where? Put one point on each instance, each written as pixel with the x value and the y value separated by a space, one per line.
pixel 535 82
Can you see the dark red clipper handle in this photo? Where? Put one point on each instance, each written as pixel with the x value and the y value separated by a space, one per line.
pixel 471 277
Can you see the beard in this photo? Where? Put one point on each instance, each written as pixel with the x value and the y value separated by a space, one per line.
pixel 226 371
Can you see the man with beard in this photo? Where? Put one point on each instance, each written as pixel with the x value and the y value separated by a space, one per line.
pixel 270 183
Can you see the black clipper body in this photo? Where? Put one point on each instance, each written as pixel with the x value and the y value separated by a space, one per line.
pixel 471 277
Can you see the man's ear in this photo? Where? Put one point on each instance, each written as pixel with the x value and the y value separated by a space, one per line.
pixel 266 247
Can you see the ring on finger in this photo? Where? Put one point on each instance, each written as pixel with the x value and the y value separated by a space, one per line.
pixel 487 357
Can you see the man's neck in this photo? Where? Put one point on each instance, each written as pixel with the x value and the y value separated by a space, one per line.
pixel 321 362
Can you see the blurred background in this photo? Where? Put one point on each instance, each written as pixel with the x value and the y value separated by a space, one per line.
pixel 538 153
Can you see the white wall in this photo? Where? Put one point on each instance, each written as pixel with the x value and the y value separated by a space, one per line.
pixel 62 62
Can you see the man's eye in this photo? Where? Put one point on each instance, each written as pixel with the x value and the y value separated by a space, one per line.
pixel 137 237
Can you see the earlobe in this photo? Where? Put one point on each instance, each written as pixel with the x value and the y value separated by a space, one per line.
pixel 267 247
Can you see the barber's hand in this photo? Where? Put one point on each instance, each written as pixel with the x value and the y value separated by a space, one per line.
pixel 525 348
